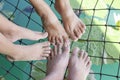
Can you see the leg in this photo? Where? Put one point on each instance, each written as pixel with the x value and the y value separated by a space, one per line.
pixel 79 65
pixel 14 32
pixel 57 62
pixel 56 32
pixel 73 25
pixel 19 52
pixel 6 47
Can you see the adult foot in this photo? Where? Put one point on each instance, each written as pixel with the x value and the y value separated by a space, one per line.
pixel 57 62
pixel 37 51
pixel 22 33
pixel 79 65
pixel 72 24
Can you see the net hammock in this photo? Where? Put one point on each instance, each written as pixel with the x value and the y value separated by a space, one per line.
pixel 101 39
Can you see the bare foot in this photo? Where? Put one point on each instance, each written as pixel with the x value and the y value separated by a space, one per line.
pixel 23 33
pixel 57 62
pixel 79 65
pixel 14 32
pixel 32 52
pixel 56 32
pixel 73 25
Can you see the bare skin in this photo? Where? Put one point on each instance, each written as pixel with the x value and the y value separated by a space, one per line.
pixel 37 51
pixel 79 65
pixel 57 62
pixel 14 32
pixel 72 24
pixel 23 53
pixel 56 32
pixel 10 32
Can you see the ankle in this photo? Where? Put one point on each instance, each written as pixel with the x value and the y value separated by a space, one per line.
pixel 13 31
pixel 15 54
pixel 63 7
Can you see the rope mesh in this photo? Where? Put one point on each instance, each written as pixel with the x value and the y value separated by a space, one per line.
pixel 10 70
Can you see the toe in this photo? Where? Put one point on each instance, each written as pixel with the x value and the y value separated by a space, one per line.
pixel 43 58
pixel 49 57
pixel 45 55
pixel 55 49
pixel 80 33
pixel 59 47
pixel 82 24
pixel 53 39
pixel 72 36
pixel 85 56
pixel 87 60
pixel 81 53
pixel 75 51
pixel 82 27
pixel 57 40
pixel 47 49
pixel 42 35
pixel 60 39
pixel 66 46
pixel 89 65
pixel 51 54
pixel 49 39
pixel 46 44
pixel 65 39
pixel 76 32
pixel 47 52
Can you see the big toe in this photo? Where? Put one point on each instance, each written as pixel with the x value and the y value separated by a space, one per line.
pixel 75 51
pixel 41 35
pixel 73 36
pixel 66 46
pixel 45 44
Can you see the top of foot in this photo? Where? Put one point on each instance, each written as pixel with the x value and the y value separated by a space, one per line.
pixel 79 65
pixel 72 24
pixel 58 61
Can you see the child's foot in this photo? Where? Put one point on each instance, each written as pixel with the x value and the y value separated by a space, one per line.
pixel 57 62
pixel 32 52
pixel 23 33
pixel 56 32
pixel 79 65
pixel 73 25
pixel 14 32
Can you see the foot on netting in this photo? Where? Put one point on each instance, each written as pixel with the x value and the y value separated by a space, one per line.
pixel 37 51
pixel 73 25
pixel 23 33
pixel 58 61
pixel 56 32
pixel 79 65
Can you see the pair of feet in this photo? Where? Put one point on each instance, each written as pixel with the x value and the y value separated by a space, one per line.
pixel 36 51
pixel 78 63
pixel 10 32
pixel 73 26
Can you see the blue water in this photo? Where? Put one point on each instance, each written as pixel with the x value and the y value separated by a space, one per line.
pixel 34 23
